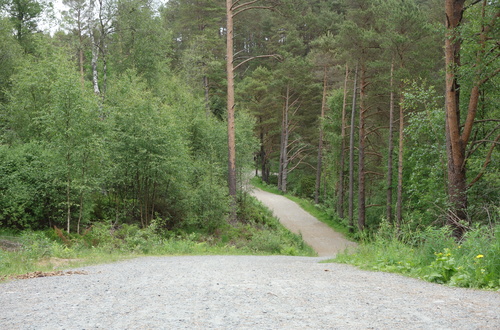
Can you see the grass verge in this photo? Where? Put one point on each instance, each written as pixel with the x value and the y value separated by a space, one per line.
pixel 258 233
pixel 433 255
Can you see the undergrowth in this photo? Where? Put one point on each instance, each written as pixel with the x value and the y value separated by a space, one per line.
pixel 258 232
pixel 433 255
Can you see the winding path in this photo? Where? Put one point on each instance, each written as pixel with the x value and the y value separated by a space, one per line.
pixel 324 240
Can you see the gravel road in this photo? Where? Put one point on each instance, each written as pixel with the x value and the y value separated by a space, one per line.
pixel 240 292
pixel 243 292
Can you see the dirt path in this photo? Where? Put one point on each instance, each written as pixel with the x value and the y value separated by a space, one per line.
pixel 325 241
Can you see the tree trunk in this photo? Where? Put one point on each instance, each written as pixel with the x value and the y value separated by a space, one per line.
pixel 207 100
pixel 102 47
pixel 95 56
pixel 282 138
pixel 342 147
pixel 95 49
pixel 456 141
pixel 284 142
pixel 320 140
pixel 80 212
pixel 361 159
pixel 80 48
pixel 68 192
pixel 263 160
pixel 231 136
pixel 351 153
pixel 390 149
pixel 399 204
pixel 104 72
pixel 455 144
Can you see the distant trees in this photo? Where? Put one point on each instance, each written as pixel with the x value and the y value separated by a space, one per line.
pixel 138 113
pixel 23 15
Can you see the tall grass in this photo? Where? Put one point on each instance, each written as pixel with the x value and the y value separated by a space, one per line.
pixel 433 255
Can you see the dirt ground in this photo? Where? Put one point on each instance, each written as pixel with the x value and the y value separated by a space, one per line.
pixel 324 240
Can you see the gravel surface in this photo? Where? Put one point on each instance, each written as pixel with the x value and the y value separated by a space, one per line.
pixel 240 292
pixel 243 292
pixel 324 240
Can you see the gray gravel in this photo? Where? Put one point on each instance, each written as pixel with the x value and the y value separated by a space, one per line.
pixel 323 239
pixel 240 292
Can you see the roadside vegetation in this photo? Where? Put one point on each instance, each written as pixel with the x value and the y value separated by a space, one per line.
pixel 432 254
pixel 427 253
pixel 53 249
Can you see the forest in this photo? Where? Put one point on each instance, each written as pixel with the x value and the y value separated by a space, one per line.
pixel 384 113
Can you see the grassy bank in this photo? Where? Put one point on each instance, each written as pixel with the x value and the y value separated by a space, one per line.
pixel 433 255
pixel 258 233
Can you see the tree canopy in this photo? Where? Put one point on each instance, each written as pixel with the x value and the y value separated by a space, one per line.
pixel 122 113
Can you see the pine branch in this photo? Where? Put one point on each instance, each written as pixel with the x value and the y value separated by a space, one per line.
pixel 475 2
pixel 275 56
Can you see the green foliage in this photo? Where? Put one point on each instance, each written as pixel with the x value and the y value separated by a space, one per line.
pixel 10 54
pixel 480 60
pixel 303 185
pixel 433 255
pixel 103 242
pixel 24 15
pixel 26 195
pixel 143 154
pixel 49 109
pixel 425 153
pixel 148 150
pixel 140 43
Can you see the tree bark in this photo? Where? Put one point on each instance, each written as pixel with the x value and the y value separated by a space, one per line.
pixel 351 153
pixel 282 138
pixel 95 49
pixel 390 149
pixel 284 142
pixel 102 46
pixel 207 99
pixel 68 195
pixel 361 160
pixel 399 203
pixel 320 140
pixel 457 140
pixel 263 156
pixel 80 46
pixel 340 207
pixel 231 135
pixel 455 144
pixel 95 56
